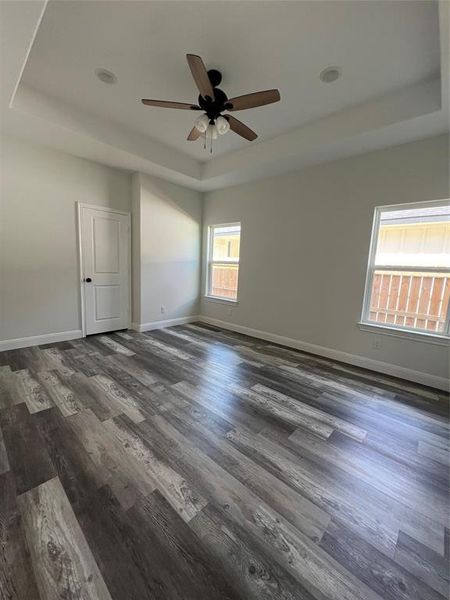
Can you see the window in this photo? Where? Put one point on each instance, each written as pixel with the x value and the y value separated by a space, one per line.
pixel 408 278
pixel 223 261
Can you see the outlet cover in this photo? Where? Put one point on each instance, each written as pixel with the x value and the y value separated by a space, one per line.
pixel 376 343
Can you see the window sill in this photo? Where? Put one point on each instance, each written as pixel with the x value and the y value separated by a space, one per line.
pixel 417 336
pixel 221 300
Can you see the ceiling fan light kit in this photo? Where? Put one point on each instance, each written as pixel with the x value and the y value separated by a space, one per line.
pixel 213 102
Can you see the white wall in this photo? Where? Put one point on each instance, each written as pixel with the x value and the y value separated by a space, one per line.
pixel 304 249
pixel 39 280
pixel 166 250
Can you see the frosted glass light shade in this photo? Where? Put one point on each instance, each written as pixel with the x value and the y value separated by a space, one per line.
pixel 222 125
pixel 202 123
pixel 211 132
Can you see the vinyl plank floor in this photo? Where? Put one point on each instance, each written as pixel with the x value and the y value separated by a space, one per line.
pixel 17 581
pixel 35 396
pixel 254 574
pixel 434 452
pixel 388 578
pixel 426 564
pixel 26 450
pixel 185 500
pixel 194 463
pixel 4 462
pixel 62 560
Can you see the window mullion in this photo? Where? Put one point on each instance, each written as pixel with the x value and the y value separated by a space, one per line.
pixel 413 268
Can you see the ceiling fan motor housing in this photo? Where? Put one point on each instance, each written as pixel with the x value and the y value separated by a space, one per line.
pixel 215 77
pixel 214 106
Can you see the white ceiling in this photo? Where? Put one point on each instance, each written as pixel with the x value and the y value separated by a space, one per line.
pixel 393 55
pixel 380 46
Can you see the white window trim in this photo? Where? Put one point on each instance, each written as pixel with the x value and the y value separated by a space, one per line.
pixel 367 325
pixel 221 300
pixel 394 331
pixel 210 262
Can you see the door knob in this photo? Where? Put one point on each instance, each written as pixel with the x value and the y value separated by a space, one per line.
pixel 88 280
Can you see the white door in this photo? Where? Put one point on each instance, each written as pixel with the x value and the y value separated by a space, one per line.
pixel 104 238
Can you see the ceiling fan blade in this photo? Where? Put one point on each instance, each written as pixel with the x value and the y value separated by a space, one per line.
pixel 166 104
pixel 254 100
pixel 241 129
pixel 194 134
pixel 200 75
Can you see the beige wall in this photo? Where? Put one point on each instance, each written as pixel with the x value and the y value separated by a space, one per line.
pixel 304 248
pixel 39 280
pixel 166 250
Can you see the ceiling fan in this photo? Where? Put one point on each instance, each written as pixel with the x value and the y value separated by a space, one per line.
pixel 213 102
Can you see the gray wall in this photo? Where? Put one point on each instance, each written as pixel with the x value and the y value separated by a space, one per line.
pixel 39 280
pixel 304 248
pixel 166 250
pixel 309 230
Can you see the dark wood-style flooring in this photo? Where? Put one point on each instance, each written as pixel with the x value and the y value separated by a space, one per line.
pixel 196 464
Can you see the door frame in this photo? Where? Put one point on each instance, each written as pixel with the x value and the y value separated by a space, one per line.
pixel 79 207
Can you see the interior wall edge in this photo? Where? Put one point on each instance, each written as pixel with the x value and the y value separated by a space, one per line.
pixel 353 359
pixel 141 327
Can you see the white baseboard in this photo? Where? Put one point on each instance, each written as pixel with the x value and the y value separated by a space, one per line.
pixel 161 324
pixel 37 340
pixel 353 359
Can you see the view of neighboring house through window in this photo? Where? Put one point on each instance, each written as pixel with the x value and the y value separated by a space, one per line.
pixel 223 261
pixel 408 281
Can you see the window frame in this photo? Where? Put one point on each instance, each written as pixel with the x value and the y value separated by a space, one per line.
pixel 390 328
pixel 210 262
